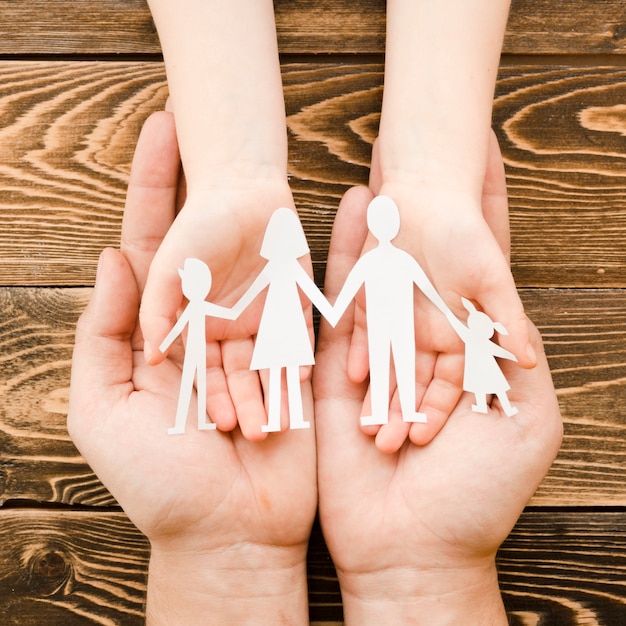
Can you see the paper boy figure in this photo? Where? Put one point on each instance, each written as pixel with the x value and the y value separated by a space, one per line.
pixel 483 375
pixel 196 283
pixel 389 275
pixel 283 339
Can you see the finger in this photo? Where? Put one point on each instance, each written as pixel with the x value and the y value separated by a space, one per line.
pixel 505 304
pixel 376 178
pixel 219 404
pixel 162 297
pixel 102 352
pixel 441 397
pixel 532 392
pixel 391 436
pixel 244 387
pixel 345 251
pixel 495 204
pixel 347 239
pixel 152 192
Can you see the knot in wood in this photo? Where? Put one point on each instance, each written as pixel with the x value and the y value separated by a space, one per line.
pixel 50 571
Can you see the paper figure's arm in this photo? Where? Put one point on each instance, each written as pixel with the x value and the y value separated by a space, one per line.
pixel 260 282
pixel 497 350
pixel 313 293
pixel 215 310
pixel 428 289
pixel 350 288
pixel 176 330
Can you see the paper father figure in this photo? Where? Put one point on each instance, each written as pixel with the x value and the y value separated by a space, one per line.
pixel 196 284
pixel 389 275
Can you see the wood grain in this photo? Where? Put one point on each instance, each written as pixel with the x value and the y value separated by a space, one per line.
pixel 67 132
pixel 561 133
pixel 103 27
pixel 557 568
pixel 71 567
pixel 585 337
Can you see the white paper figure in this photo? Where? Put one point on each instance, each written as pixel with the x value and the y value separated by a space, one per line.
pixel 283 340
pixel 389 275
pixel 196 283
pixel 483 375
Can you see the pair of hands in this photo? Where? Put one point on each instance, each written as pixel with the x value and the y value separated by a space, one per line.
pixel 229 518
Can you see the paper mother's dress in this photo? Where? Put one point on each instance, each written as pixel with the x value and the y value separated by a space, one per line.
pixel 483 375
pixel 388 275
pixel 196 282
pixel 283 340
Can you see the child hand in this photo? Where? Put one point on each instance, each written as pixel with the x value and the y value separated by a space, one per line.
pixel 224 228
pixel 464 251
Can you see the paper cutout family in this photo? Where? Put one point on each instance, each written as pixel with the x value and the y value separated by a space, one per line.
pixel 388 275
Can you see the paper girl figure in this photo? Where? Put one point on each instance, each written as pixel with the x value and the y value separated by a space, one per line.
pixel 483 375
pixel 283 339
pixel 389 275
pixel 196 283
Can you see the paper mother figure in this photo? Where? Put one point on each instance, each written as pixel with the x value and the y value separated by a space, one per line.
pixel 283 340
pixel 389 275
pixel 483 375
pixel 196 283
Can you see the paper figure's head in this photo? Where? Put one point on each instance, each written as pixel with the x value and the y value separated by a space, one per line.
pixel 284 237
pixel 383 218
pixel 195 279
pixel 480 323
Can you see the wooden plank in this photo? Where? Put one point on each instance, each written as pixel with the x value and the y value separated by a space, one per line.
pixel 67 132
pixel 74 568
pixel 560 568
pixel 585 336
pixel 561 132
pixel 305 27
pixel 77 567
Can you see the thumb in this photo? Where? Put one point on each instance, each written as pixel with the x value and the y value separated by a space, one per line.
pixel 103 356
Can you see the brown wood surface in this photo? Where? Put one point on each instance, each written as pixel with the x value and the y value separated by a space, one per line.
pixel 101 27
pixel 81 567
pixel 67 131
pixel 77 79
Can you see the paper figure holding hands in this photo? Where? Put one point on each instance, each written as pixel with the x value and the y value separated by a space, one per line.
pixel 283 340
pixel 196 283
pixel 389 275
pixel 483 375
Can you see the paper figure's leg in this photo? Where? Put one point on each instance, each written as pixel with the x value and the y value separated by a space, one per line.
pixel 203 422
pixel 379 352
pixel 273 402
pixel 294 392
pixel 507 407
pixel 184 399
pixel 404 362
pixel 481 404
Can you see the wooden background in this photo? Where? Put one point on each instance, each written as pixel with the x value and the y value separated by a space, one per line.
pixel 78 77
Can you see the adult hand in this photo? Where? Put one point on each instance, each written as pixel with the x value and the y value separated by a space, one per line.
pixel 228 519
pixel 467 256
pixel 414 534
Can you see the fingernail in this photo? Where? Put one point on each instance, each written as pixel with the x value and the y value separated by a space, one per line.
pixel 147 351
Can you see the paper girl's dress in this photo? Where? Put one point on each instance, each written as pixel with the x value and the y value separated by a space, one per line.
pixel 483 375
pixel 283 337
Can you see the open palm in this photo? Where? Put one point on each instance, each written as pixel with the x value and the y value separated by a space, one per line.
pixel 391 520
pixel 200 491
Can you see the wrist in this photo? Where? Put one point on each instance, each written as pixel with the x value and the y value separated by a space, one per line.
pixel 423 171
pixel 446 596
pixel 242 173
pixel 241 584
